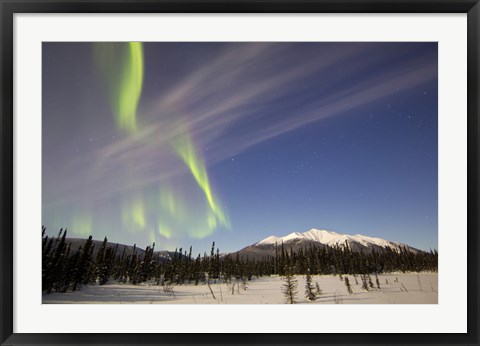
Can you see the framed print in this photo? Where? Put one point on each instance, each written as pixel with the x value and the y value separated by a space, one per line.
pixel 238 173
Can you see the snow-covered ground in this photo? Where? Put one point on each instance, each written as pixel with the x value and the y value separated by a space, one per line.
pixel 396 288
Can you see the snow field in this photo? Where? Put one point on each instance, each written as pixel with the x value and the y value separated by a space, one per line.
pixel 395 288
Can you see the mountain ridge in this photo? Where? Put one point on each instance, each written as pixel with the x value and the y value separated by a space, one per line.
pixel 322 238
pixel 329 238
pixel 295 241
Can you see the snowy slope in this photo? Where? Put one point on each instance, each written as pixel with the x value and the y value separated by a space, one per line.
pixel 331 239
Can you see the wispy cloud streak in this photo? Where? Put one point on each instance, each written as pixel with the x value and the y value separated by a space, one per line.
pixel 249 93
pixel 222 102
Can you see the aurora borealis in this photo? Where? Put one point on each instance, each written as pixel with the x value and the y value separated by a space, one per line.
pixel 188 143
pixel 122 64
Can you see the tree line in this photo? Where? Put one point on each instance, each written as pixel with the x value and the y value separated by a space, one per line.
pixel 66 269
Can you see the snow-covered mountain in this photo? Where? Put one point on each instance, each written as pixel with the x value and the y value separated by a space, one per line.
pixel 330 238
pixel 320 238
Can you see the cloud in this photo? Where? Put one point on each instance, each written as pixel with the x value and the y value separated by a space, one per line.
pixel 248 94
pixel 222 102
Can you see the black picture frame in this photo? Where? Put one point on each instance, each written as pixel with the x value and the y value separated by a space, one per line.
pixel 10 7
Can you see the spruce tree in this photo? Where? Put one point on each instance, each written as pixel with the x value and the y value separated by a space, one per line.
pixel 99 270
pixel 289 289
pixel 309 289
pixel 364 282
pixel 347 283
pixel 83 264
pixel 370 283
pixel 318 290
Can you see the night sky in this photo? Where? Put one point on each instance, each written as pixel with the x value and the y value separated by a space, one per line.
pixel 188 143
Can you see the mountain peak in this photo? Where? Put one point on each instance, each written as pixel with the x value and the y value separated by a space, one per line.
pixel 331 238
pixel 269 240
